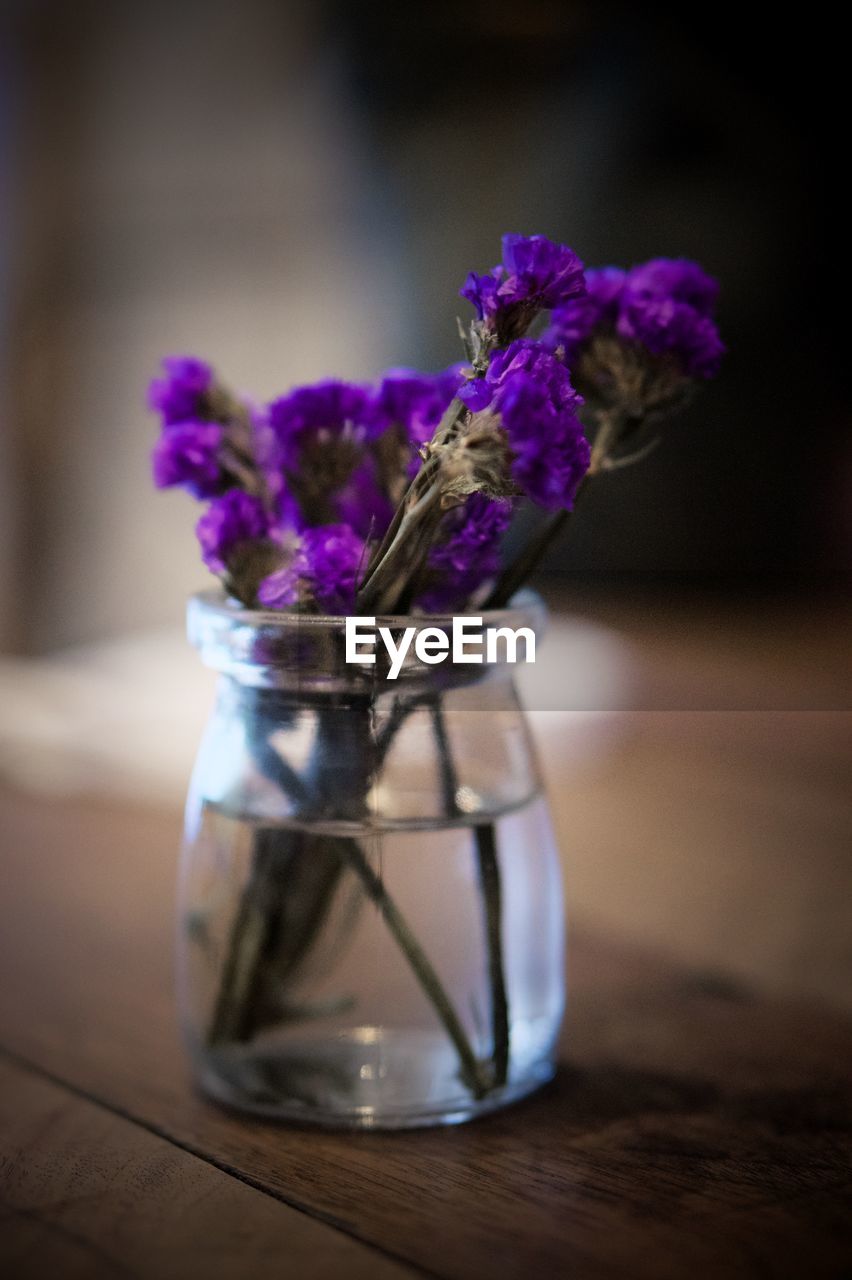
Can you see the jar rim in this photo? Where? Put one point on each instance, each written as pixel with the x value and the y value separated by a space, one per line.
pixel 216 600
pixel 271 648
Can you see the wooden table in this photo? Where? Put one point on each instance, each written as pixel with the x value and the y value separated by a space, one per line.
pixel 695 1128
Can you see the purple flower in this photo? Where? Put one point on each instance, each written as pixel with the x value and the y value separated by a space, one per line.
pixel 267 457
pixel 665 305
pixel 321 412
pixel 676 278
pixel 572 325
pixel 550 453
pixel 188 454
pixel 229 522
pixel 179 396
pixel 535 274
pixel 280 590
pixel 362 504
pixel 666 326
pixel 334 555
pixel 531 391
pixel 539 270
pixel 415 401
pixel 325 565
pixel 481 291
pixel 528 356
pixel 468 554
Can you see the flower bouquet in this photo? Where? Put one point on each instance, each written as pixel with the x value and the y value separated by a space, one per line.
pixel 371 906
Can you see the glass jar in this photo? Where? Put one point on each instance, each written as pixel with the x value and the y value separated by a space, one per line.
pixel 370 917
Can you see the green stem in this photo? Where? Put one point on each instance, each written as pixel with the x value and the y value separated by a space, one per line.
pixel 393 543
pixel 411 542
pixel 252 940
pixel 401 709
pixel 519 570
pixel 405 505
pixel 312 882
pixel 449 778
pixel 262 919
pixel 489 876
pixel 471 1068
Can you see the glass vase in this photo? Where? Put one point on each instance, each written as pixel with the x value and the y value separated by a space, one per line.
pixel 370 926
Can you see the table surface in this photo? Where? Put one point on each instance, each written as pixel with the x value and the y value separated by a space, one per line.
pixel 694 1127
pixel 699 1124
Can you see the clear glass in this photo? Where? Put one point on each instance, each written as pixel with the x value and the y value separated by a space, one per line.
pixel 370 917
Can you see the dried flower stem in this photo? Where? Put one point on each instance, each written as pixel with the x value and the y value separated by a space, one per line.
pixel 410 510
pixel 488 865
pixel 257 928
pixel 521 569
pixel 492 897
pixel 252 939
pixel 472 1071
pixel 408 546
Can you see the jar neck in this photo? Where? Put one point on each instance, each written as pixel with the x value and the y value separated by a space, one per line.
pixel 335 757
pixel 310 658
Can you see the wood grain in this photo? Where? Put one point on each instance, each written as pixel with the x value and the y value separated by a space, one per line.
pixel 85 1193
pixel 724 837
pixel 695 1127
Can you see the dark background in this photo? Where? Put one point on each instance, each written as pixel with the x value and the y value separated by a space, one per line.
pixel 294 190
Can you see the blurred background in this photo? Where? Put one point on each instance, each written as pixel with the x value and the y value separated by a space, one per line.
pixel 295 190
